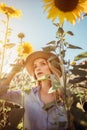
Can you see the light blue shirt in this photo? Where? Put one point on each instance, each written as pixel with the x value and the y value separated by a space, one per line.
pixel 35 117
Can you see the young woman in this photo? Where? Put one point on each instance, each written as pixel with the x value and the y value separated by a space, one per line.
pixel 43 110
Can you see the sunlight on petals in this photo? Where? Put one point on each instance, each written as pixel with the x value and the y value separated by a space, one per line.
pixel 24 50
pixel 10 11
pixel 65 10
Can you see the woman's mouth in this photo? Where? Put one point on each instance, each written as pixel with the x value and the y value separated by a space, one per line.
pixel 39 74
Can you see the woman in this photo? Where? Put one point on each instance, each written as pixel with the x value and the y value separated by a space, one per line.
pixel 43 110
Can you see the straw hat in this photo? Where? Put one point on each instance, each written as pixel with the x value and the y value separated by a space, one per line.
pixel 35 55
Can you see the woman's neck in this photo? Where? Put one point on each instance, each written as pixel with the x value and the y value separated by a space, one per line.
pixel 45 86
pixel 45 96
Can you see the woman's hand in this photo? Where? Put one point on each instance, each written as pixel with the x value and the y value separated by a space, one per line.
pixel 18 66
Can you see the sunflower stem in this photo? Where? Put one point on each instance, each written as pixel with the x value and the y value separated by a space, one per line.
pixel 4 49
pixel 61 49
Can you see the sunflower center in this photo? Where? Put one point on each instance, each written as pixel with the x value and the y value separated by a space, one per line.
pixel 66 5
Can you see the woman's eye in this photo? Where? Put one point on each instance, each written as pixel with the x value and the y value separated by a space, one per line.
pixel 43 63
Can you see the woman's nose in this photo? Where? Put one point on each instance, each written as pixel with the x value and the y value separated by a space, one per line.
pixel 38 68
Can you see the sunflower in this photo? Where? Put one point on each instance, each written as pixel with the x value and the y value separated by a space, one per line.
pixel 24 49
pixel 10 11
pixel 68 10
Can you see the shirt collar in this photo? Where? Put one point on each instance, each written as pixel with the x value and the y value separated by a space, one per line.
pixel 36 89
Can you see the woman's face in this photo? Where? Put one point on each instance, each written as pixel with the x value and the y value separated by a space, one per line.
pixel 41 67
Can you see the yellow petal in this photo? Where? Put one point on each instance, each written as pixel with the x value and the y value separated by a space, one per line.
pixel 71 16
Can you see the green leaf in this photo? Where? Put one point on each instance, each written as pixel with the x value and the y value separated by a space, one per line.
pixel 56 24
pixel 60 30
pixel 53 89
pixel 49 48
pixel 9 45
pixel 73 47
pixel 77 80
pixel 55 85
pixel 52 42
pixel 84 66
pixel 58 42
pixel 43 77
pixel 63 53
pixel 78 72
pixel 85 15
pixel 81 56
pixel 70 33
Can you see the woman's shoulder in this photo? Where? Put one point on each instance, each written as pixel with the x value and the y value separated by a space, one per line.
pixel 32 94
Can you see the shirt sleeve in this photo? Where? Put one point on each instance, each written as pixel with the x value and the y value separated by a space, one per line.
pixel 14 96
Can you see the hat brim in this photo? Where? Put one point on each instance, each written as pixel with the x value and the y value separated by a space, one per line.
pixel 33 56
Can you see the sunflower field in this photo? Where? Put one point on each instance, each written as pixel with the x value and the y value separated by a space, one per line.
pixel 74 73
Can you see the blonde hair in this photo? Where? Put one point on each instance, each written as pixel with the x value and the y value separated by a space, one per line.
pixel 54 65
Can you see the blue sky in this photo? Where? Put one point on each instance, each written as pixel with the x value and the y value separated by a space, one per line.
pixel 39 30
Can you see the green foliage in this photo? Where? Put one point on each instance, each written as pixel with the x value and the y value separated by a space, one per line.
pixel 81 56
pixel 8 115
pixel 74 77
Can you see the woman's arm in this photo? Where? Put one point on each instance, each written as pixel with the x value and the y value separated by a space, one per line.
pixel 16 68
pixel 7 94
pixel 4 84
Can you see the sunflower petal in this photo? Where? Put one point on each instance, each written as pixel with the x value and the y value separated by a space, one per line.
pixel 54 11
